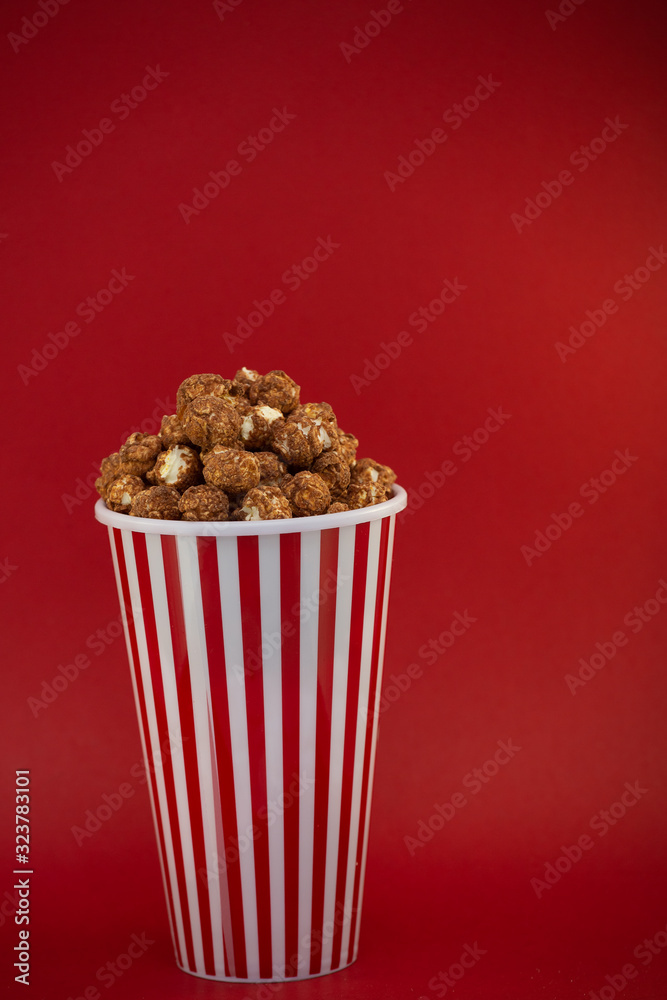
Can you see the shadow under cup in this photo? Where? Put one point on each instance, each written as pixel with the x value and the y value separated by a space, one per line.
pixel 256 654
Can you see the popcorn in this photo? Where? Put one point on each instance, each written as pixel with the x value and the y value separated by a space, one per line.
pixel 323 417
pixel 110 469
pixel 138 454
pixel 241 405
pixel 244 449
pixel 204 503
pixel 158 502
pixel 243 380
pixel 367 471
pixel 276 389
pixel 259 425
pixel 297 443
pixel 122 491
pixel 362 494
pixel 270 466
pixel 348 444
pixel 233 471
pixel 308 494
pixel 172 432
pixel 334 470
pixel 209 420
pixel 264 503
pixel 217 448
pixel 179 466
pixel 200 385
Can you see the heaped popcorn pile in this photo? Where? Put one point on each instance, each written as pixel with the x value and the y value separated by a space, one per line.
pixel 244 450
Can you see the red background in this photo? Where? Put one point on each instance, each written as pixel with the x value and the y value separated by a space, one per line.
pixel 322 176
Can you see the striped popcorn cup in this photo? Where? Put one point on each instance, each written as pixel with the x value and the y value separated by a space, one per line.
pixel 256 654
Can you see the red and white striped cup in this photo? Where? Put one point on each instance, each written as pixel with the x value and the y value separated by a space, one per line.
pixel 256 654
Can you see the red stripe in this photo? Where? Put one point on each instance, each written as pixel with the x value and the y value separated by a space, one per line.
pixel 364 812
pixel 143 719
pixel 187 723
pixel 210 588
pixel 361 541
pixel 248 550
pixel 143 575
pixel 290 592
pixel 325 655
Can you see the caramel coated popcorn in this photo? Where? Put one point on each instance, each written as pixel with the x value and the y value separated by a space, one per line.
pixel 158 502
pixel 200 385
pixel 259 425
pixel 138 454
pixel 179 466
pixel 172 432
pixel 308 494
pixel 210 420
pixel 334 470
pixel 264 503
pixel 276 389
pixel 270 466
pixel 297 442
pixel 204 503
pixel 122 491
pixel 244 449
pixel 233 471
pixel 243 379
pixel 368 471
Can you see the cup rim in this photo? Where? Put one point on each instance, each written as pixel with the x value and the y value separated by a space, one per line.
pixel 151 526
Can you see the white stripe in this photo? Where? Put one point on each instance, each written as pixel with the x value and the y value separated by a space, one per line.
pixel 219 873
pixel 163 629
pixel 201 700
pixel 230 600
pixel 383 629
pixel 343 610
pixel 142 736
pixel 156 752
pixel 362 712
pixel 269 590
pixel 310 581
